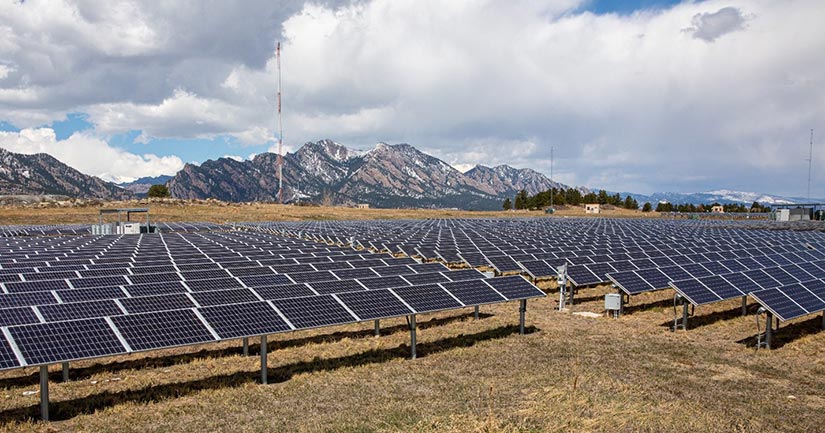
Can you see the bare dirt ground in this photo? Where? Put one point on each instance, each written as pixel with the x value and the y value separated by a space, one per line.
pixel 569 373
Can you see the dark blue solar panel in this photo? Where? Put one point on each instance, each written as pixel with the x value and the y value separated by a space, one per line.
pixel 265 280
pixel 463 275
pixel 36 286
pixel 244 320
pixel 306 277
pixel 314 311
pixel 79 310
pixel 783 277
pixel 733 265
pixel 675 273
pixel 504 264
pixel 223 297
pixel 760 277
pixel 7 357
pixel 347 274
pixel 162 329
pixel 817 287
pixel 393 270
pixel 654 277
pixel 93 294
pixel 152 289
pixel 383 282
pixel 473 292
pixel 802 296
pixel 17 316
pixel 427 298
pixel 630 283
pixel 742 282
pixel 146 304
pixel 716 268
pixel 374 304
pixel 779 303
pixel 284 291
pixel 695 292
pixel 429 278
pixel 749 263
pixel 721 287
pixel 812 269
pixel 337 286
pixel 48 343
pixel 514 287
pixel 26 299
pixel 81 283
pixel 204 274
pixel 798 273
pixel 579 275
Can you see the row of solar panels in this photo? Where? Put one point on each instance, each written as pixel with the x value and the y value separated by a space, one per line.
pixel 83 229
pixel 63 341
pixel 198 291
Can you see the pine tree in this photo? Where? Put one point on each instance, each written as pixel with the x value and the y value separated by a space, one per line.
pixel 507 204
pixel 647 207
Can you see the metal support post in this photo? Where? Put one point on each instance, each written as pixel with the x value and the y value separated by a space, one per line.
pixel 475 313
pixel 245 346
pixel 685 314
pixel 744 306
pixel 377 328
pixel 65 372
pixel 768 329
pixel 823 320
pixel 621 302
pixel 521 310
pixel 412 336
pixel 44 392
pixel 264 373
pixel 572 291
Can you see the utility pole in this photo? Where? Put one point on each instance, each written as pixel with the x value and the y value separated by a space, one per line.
pixel 552 188
pixel 810 163
pixel 280 133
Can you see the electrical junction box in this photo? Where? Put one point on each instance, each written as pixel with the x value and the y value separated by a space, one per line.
pixel 612 302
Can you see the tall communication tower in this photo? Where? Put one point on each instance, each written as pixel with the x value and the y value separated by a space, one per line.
pixel 552 188
pixel 810 163
pixel 280 132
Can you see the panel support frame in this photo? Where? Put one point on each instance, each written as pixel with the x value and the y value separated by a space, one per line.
pixel 44 392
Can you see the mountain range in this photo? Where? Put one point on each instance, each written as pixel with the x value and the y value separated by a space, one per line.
pixel 327 172
pixel 387 176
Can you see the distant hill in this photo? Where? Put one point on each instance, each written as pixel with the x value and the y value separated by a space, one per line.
pixel 141 186
pixel 387 176
pixel 43 174
pixel 721 196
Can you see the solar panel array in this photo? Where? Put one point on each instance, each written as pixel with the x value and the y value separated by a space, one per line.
pixel 705 261
pixel 76 297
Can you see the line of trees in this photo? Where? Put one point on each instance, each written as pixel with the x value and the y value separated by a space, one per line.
pixel 570 196
pixel 729 208
pixel 574 197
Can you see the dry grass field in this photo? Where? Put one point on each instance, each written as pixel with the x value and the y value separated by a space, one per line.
pixel 179 210
pixel 569 373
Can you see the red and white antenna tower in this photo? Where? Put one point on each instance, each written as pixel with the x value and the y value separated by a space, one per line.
pixel 280 133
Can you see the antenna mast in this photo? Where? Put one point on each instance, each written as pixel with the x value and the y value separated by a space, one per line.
pixel 280 133
pixel 810 163
pixel 552 188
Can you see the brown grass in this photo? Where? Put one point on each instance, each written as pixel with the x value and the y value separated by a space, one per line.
pixel 569 373
pixel 220 212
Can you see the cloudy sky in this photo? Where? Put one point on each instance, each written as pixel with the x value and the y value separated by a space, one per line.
pixel 637 96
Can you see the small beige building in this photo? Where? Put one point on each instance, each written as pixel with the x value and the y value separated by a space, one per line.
pixel 362 206
pixel 717 209
pixel 592 208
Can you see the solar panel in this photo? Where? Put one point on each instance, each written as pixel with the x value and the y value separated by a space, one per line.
pixel 337 286
pixel 36 286
pixel 79 310
pixel 346 274
pixel 244 320
pixel 265 280
pixel 539 268
pixel 742 282
pixel 26 299
pixel 429 278
pixel 504 264
pixel 473 292
pixel 630 283
pixel 393 270
pixel 47 343
pixel 313 312
pixel 284 291
pixel 7 357
pixel 374 304
pixel 721 287
pixel 383 282
pixel 146 304
pixel 514 287
pixel 695 292
pixel 654 277
pixel 463 275
pixel 17 316
pixel 82 283
pixel 93 294
pixel 427 298
pixel 779 303
pixel 162 329
pixel 580 275
pixel 223 297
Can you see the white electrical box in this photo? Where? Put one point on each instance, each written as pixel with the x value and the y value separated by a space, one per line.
pixel 612 302
pixel 130 228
